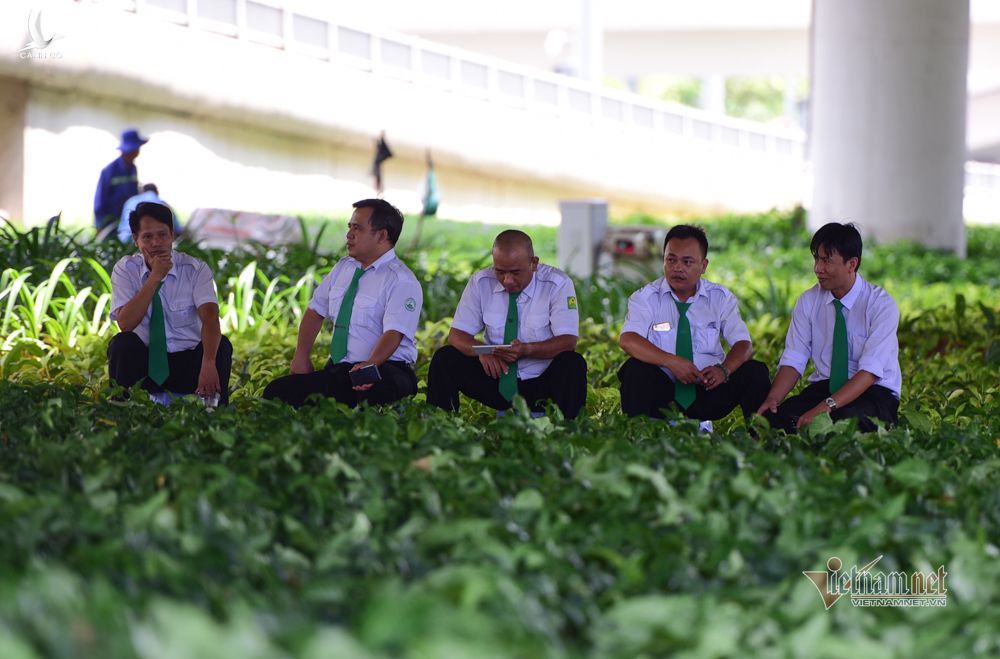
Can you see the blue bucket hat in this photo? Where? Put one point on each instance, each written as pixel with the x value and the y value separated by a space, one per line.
pixel 131 141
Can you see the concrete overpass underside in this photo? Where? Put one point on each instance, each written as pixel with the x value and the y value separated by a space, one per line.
pixel 287 124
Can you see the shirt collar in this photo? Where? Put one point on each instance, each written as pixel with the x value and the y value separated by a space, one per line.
pixel 666 290
pixel 379 262
pixel 852 295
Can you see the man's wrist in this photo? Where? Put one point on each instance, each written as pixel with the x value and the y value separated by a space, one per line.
pixel 725 371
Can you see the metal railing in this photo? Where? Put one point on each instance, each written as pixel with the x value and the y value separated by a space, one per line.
pixel 272 23
pixel 983 176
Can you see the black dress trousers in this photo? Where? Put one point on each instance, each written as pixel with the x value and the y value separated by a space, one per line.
pixel 564 382
pixel 876 402
pixel 647 391
pixel 128 363
pixel 333 381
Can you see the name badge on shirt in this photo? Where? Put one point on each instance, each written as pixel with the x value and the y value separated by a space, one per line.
pixel 662 327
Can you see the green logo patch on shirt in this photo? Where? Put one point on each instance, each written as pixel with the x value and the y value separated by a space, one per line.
pixel 571 302
pixel 410 304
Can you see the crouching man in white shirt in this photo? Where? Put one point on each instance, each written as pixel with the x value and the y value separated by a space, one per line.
pixel 847 326
pixel 167 308
pixel 673 334
pixel 374 302
pixel 528 307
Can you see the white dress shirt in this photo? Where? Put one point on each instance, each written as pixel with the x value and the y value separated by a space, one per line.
pixel 872 319
pixel 187 286
pixel 388 298
pixel 545 308
pixel 714 314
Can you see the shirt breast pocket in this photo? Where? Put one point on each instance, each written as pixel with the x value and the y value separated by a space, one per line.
pixel 495 322
pixel 665 339
pixel 536 329
pixel 367 308
pixel 705 339
pixel 333 301
pixel 857 344
pixel 182 313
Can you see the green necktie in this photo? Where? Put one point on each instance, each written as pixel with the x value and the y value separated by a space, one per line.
pixel 159 369
pixel 338 346
pixel 838 360
pixel 508 381
pixel 684 393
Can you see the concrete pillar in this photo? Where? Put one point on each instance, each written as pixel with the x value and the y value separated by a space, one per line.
pixel 713 93
pixel 13 104
pixel 580 234
pixel 888 117
pixel 590 38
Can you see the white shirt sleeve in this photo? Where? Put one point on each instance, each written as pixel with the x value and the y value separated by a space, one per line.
pixel 204 286
pixel 882 343
pixel 469 314
pixel 640 315
pixel 798 341
pixel 320 302
pixel 124 286
pixel 564 316
pixel 732 326
pixel 402 307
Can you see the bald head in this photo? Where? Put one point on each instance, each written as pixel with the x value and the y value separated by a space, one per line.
pixel 512 241
pixel 514 260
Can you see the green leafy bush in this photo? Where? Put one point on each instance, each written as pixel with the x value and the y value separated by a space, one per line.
pixel 135 530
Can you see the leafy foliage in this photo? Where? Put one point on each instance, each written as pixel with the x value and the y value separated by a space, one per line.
pixel 419 530
pixel 136 530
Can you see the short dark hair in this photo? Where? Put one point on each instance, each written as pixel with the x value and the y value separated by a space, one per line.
pixel 153 210
pixel 845 239
pixel 384 216
pixel 150 187
pixel 685 231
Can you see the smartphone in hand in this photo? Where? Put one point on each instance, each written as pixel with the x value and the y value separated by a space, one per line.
pixel 366 375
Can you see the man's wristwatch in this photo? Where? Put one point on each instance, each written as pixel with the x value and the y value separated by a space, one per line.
pixel 725 371
pixel 831 403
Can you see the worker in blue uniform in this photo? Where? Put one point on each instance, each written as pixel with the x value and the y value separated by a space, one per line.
pixel 119 181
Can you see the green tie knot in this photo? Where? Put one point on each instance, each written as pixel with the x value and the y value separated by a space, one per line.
pixel 511 317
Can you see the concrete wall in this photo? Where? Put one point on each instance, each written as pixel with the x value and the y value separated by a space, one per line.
pixel 983 126
pixel 194 160
pixel 67 137
pixel 243 124
pixel 13 103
